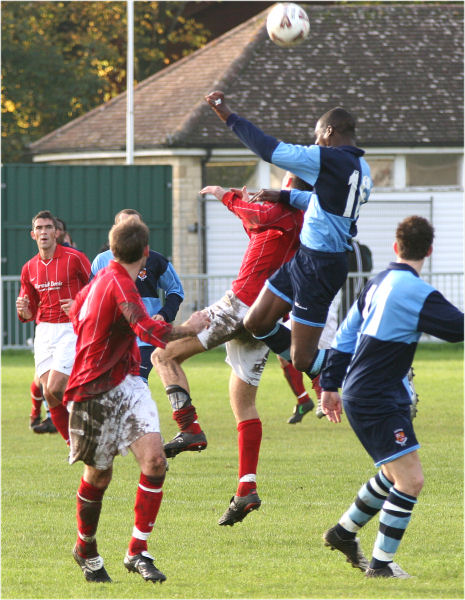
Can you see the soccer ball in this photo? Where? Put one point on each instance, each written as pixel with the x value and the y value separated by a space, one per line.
pixel 287 24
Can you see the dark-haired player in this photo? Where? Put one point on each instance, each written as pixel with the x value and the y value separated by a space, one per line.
pixel 35 423
pixel 373 352
pixel 111 409
pixel 341 182
pixel 49 282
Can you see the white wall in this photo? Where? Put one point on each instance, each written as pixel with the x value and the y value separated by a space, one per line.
pixel 379 218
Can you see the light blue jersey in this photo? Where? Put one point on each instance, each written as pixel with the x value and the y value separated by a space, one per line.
pixel 375 345
pixel 340 177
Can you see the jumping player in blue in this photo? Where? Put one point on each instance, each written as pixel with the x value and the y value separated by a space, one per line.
pixel 157 274
pixel 370 357
pixel 307 284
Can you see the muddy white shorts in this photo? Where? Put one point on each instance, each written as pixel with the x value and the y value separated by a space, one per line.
pixel 108 424
pixel 54 348
pixel 246 355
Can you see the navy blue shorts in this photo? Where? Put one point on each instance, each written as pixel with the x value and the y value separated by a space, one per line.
pixel 145 362
pixel 384 435
pixel 309 282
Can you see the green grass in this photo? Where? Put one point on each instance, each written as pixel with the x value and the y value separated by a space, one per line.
pixel 308 475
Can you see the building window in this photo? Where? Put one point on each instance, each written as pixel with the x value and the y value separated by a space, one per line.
pixel 232 174
pixel 426 170
pixel 382 171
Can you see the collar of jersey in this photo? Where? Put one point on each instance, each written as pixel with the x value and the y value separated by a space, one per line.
pixel 402 267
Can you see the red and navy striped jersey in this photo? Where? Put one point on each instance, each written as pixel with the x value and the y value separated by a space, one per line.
pixel 46 282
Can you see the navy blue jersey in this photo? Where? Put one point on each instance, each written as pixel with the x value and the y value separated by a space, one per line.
pixel 375 345
pixel 339 175
pixel 158 274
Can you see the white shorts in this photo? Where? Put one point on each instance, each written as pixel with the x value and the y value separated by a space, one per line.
pixel 54 348
pixel 246 355
pixel 108 424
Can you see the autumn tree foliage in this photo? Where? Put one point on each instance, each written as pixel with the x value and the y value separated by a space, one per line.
pixel 61 59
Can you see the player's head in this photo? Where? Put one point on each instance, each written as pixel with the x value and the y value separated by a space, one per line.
pixel 44 214
pixel 414 238
pixel 129 240
pixel 293 182
pixel 44 231
pixel 125 213
pixel 61 228
pixel 335 128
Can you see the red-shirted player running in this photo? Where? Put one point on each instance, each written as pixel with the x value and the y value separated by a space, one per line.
pixel 111 409
pixel 273 230
pixel 49 282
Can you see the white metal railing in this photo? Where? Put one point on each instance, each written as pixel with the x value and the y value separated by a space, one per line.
pixel 200 290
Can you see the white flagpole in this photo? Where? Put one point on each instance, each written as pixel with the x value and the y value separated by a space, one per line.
pixel 130 86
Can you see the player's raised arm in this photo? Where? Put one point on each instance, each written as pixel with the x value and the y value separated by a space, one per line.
pixel 217 102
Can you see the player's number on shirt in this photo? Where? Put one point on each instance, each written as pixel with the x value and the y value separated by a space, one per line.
pixel 362 194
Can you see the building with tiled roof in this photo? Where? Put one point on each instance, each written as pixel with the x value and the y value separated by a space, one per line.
pixel 397 66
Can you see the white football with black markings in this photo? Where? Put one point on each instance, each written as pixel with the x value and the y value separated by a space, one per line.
pixel 287 24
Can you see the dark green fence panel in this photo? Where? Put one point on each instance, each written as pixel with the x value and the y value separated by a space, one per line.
pixel 86 198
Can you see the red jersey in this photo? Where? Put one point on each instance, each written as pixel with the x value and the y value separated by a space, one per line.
pixel 274 231
pixel 107 315
pixel 48 281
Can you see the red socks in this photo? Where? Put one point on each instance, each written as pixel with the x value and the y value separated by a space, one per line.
pixel 89 504
pixel 186 418
pixel 249 438
pixel 88 507
pixel 296 381
pixel 316 386
pixel 148 499
pixel 36 399
pixel 60 418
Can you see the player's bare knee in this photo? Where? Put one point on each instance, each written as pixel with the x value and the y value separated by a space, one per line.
pixel 154 465
pixel 248 322
pixel 57 393
pixel 162 359
pixel 417 482
pixel 255 325
pixel 300 361
pixel 51 398
pixel 159 360
pixel 155 357
pixel 96 477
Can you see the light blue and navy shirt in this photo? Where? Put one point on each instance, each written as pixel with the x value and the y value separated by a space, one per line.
pixel 375 345
pixel 340 177
pixel 158 274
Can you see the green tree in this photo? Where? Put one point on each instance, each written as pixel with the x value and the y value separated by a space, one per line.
pixel 61 59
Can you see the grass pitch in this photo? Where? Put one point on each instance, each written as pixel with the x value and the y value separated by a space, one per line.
pixel 308 475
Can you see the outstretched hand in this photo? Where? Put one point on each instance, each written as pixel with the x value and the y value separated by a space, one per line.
pixel 214 190
pixel 242 193
pixel 266 196
pixel 217 102
pixel 332 406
